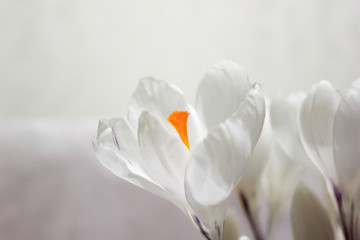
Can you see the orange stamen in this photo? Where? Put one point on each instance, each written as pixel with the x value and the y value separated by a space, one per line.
pixel 179 120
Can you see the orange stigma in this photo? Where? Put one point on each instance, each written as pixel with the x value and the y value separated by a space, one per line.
pixel 179 120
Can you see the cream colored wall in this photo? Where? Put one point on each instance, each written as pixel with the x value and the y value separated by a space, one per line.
pixel 84 57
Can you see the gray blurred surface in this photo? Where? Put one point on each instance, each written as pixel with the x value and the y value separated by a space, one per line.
pixel 52 187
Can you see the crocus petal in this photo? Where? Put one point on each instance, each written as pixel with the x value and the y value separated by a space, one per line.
pixel 161 99
pixel 220 92
pixel 249 184
pixel 164 156
pixel 308 216
pixel 157 97
pixel 117 135
pixel 284 122
pixel 117 149
pixel 217 164
pixel 279 178
pixel 317 121
pixel 347 140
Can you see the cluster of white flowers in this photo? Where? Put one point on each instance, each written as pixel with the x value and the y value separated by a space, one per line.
pixel 232 139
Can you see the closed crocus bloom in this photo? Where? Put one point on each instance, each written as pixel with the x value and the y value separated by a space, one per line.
pixel 193 157
pixel 276 165
pixel 347 141
pixel 316 126
pixel 249 189
pixel 285 157
pixel 331 137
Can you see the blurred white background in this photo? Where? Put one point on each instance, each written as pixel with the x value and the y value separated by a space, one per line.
pixel 82 59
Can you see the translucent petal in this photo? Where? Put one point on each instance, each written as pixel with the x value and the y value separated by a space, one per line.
pixel 347 140
pixel 317 121
pixel 218 163
pixel 116 148
pixel 164 156
pixel 220 92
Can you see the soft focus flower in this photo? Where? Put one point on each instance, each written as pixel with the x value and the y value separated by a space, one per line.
pixel 248 189
pixel 193 157
pixel 329 127
pixel 324 133
pixel 276 165
pixel 287 158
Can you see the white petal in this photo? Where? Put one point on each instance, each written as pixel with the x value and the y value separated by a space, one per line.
pixel 279 178
pixel 317 121
pixel 220 92
pixel 161 99
pixel 309 218
pixel 249 184
pixel 157 97
pixel 210 220
pixel 347 139
pixel 164 156
pixel 117 135
pixel 285 124
pixel 117 149
pixel 217 164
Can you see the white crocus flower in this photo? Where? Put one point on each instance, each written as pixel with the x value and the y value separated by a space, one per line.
pixel 193 157
pixel 287 158
pixel 330 133
pixel 278 162
pixel 276 165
